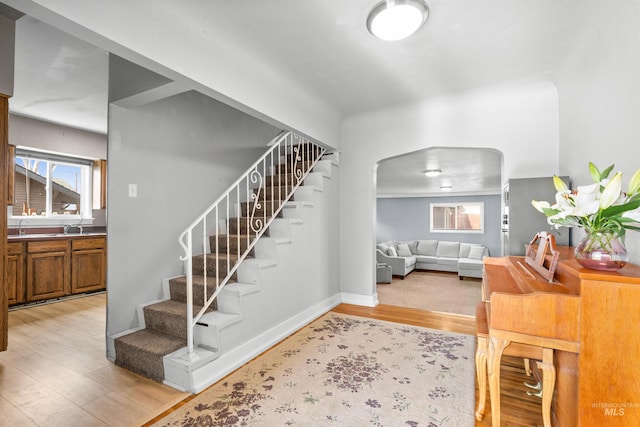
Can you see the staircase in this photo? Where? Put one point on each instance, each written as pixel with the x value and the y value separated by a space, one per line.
pixel 229 235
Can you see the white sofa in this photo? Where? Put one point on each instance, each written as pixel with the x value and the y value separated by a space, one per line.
pixel 405 256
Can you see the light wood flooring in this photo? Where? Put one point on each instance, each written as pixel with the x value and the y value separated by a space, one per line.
pixel 55 372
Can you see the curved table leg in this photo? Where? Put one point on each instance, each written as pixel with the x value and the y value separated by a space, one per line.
pixel 496 348
pixel 481 372
pixel 548 384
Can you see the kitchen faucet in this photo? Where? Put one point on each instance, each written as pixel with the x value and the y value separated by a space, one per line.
pixel 67 227
pixel 20 230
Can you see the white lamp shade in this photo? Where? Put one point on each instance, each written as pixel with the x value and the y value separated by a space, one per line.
pixel 396 20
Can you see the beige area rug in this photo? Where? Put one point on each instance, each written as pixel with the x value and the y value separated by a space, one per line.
pixel 346 371
pixel 434 291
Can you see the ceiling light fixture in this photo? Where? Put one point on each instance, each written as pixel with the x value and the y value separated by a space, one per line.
pixel 445 188
pixel 432 172
pixel 397 19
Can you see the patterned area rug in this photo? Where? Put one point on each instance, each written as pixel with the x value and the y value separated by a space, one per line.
pixel 346 371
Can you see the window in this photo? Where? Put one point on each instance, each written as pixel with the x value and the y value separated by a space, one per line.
pixel 48 185
pixel 457 217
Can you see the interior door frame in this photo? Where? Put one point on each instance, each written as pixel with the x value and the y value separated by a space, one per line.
pixel 4 145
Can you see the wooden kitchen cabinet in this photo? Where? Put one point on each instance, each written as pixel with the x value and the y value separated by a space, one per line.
pixel 88 265
pixel 48 269
pixel 41 268
pixel 14 286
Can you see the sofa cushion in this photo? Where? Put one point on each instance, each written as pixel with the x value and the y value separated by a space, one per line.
pixel 476 252
pixel 410 261
pixel 423 259
pixel 464 250
pixel 470 264
pixel 427 247
pixel 391 251
pixel 403 249
pixel 411 243
pixel 447 261
pixel 448 249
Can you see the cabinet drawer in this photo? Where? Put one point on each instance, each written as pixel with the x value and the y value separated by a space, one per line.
pixel 97 243
pixel 14 248
pixel 48 246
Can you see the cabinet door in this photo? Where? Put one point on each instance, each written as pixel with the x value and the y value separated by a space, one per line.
pixel 47 275
pixel 15 279
pixel 87 270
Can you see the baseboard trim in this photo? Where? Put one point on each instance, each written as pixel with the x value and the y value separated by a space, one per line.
pixel 229 362
pixel 358 299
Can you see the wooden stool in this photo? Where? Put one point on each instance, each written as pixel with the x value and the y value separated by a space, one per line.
pixel 514 349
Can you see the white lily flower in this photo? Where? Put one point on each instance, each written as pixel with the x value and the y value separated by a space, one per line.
pixel 611 192
pixel 562 199
pixel 634 215
pixel 540 205
pixel 586 194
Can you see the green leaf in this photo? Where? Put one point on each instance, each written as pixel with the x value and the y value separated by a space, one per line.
pixel 605 173
pixel 618 209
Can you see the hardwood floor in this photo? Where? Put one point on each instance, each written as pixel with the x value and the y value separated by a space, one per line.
pixel 518 409
pixel 55 372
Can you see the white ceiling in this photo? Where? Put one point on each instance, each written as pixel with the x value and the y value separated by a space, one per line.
pixel 59 78
pixel 324 46
pixel 466 170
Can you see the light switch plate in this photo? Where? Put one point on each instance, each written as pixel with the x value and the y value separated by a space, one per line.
pixel 133 190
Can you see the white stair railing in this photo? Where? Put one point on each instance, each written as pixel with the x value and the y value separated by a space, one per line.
pixel 257 197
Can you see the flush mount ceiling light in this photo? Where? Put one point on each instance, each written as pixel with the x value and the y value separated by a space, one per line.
pixel 397 19
pixel 445 188
pixel 432 172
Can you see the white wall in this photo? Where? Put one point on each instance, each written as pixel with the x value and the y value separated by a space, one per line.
pixel 182 152
pixel 520 120
pixel 599 97
pixel 53 137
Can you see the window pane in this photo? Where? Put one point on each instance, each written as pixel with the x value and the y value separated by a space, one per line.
pixel 34 178
pixel 30 186
pixel 66 190
pixel 457 217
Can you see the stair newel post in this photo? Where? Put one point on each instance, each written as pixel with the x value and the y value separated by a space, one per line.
pixel 273 196
pixel 190 353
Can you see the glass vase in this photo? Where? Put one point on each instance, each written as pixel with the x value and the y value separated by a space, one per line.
pixel 602 251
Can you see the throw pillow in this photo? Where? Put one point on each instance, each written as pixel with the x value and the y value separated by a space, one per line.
pixel 391 251
pixel 403 250
pixel 464 250
pixel 476 252
pixel 382 247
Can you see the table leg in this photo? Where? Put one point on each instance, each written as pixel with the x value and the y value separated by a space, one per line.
pixel 481 372
pixel 496 348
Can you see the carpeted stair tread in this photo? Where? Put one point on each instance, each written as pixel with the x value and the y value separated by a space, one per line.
pixel 222 265
pixel 178 289
pixel 230 241
pixel 272 191
pixel 169 317
pixel 142 352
